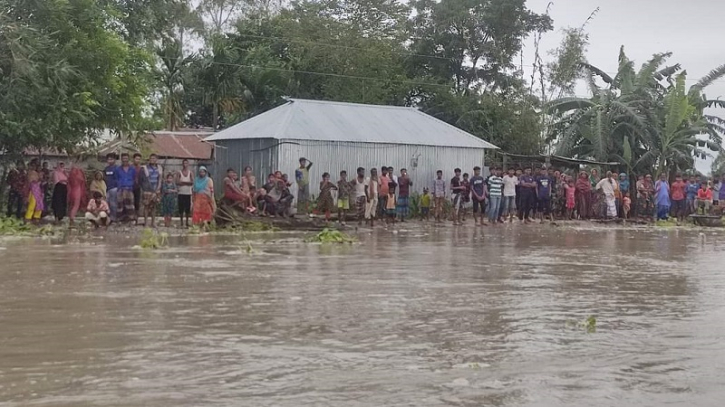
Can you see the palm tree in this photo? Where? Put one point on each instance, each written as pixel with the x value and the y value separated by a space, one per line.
pixel 219 78
pixel 171 75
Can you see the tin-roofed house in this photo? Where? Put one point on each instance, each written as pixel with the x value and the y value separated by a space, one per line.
pixel 339 136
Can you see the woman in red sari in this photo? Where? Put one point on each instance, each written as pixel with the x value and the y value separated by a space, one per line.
pixel 583 195
pixel 76 191
pixel 203 197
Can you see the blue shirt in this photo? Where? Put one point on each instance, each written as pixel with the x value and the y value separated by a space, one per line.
pixel 691 191
pixel 126 179
pixel 153 176
pixel 526 179
pixel 543 184
pixel 663 196
pixel 109 175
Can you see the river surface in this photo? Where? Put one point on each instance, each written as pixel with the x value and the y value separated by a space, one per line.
pixel 421 317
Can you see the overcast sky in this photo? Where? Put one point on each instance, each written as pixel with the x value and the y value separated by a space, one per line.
pixel 692 30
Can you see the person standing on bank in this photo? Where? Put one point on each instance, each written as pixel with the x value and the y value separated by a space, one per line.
pixel 528 195
pixel 109 175
pixel 439 195
pixel 151 180
pixel 404 184
pixel 662 194
pixel 137 192
pixel 76 190
pixel 184 182
pixel 361 194
pixel 18 181
pixel 478 192
pixel 59 202
pixel 125 180
pixel 510 185
pixel 495 193
pixel 302 176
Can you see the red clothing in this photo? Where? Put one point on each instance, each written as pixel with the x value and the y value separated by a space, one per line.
pixel 678 191
pixel 18 180
pixel 384 185
pixel 232 193
pixel 704 194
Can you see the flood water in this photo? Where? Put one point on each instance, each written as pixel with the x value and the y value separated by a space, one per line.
pixel 423 317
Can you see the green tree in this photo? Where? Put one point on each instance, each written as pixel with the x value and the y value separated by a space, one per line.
pixel 65 75
pixel 171 72
pixel 469 42
pixel 644 119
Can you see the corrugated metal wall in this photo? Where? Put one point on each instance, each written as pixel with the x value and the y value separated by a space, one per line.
pixel 268 155
pixel 420 161
pixel 260 154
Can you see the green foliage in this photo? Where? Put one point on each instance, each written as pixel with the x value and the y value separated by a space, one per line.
pixel 65 74
pixel 13 226
pixel 153 240
pixel 16 227
pixel 589 324
pixel 647 120
pixel 331 236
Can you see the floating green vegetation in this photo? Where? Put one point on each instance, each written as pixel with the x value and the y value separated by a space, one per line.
pixel 671 222
pixel 331 236
pixel 13 226
pixel 589 324
pixel 16 227
pixel 153 240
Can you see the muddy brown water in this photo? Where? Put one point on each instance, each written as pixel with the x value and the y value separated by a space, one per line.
pixel 424 317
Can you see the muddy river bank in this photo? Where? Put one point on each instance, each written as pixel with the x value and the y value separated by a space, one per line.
pixel 417 317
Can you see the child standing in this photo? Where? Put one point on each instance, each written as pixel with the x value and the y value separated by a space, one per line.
pixel 390 206
pixel 570 197
pixel 439 192
pixel 344 188
pixel 465 196
pixel 425 204
pixel 326 204
pixel 168 201
pixel 626 205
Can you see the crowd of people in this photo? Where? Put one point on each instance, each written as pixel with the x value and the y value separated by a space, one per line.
pixel 121 192
pixel 552 194
pixel 132 190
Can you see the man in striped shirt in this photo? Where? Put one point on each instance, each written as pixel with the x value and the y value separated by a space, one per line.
pixel 495 192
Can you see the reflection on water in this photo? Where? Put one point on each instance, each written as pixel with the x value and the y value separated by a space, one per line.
pixel 423 317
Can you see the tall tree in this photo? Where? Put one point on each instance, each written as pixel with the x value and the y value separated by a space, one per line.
pixel 471 42
pixel 66 75
pixel 171 72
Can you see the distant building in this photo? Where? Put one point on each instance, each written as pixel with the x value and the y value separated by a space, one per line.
pixel 339 136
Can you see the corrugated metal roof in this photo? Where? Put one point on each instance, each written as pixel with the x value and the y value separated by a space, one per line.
pixel 169 144
pixel 301 119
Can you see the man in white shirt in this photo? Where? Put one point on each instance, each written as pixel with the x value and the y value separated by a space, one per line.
pixel 509 194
